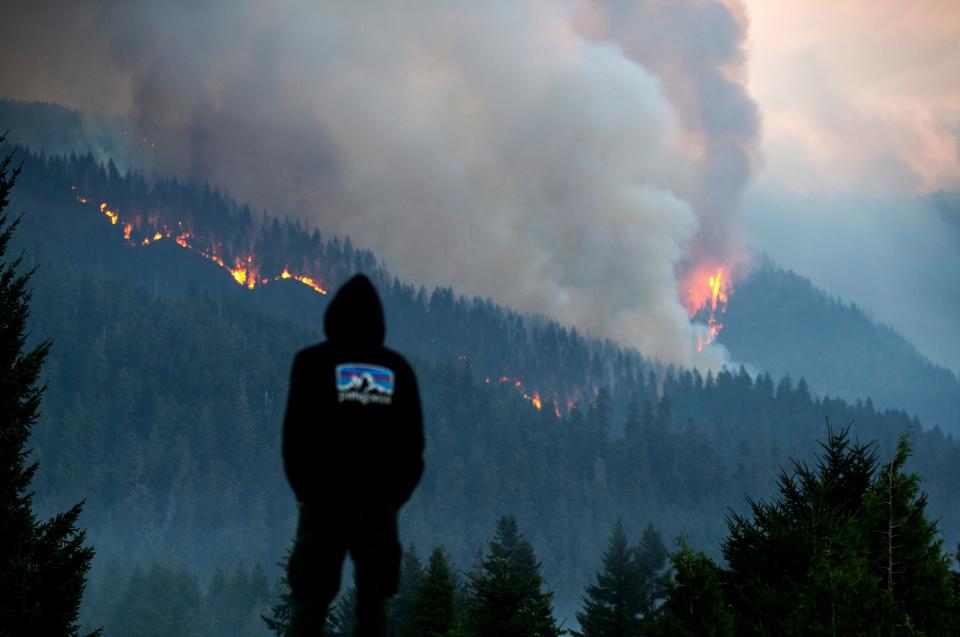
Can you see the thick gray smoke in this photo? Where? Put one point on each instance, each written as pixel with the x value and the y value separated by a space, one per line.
pixel 565 157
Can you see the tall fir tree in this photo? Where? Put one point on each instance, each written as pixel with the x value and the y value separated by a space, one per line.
pixel 651 557
pixel 434 611
pixel 43 565
pixel 506 596
pixel 612 607
pixel 845 548
pixel 695 604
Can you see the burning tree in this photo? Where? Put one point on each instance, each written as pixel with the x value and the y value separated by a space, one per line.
pixel 42 564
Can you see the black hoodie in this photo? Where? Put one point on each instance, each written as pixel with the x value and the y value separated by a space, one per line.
pixel 353 433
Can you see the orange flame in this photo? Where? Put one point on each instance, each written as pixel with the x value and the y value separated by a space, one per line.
pixel 707 289
pixel 114 218
pixel 534 398
pixel 245 272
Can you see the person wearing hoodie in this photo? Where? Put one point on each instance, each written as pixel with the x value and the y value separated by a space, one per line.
pixel 353 453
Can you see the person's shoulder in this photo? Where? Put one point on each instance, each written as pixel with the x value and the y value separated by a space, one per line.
pixel 312 353
pixel 397 359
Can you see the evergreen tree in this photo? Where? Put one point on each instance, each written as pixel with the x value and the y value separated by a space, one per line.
pixel 612 607
pixel 506 596
pixel 279 620
pixel 157 603
pixel 651 561
pixel 845 548
pixel 906 546
pixel 402 604
pixel 433 615
pixel 695 605
pixel 43 565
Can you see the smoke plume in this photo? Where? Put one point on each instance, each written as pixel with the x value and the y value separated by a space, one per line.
pixel 573 158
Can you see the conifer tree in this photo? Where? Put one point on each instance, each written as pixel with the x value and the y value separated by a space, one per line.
pixel 433 614
pixel 651 561
pixel 845 548
pixel 612 607
pixel 695 604
pixel 279 620
pixel 506 597
pixel 43 565
pixel 402 604
pixel 164 600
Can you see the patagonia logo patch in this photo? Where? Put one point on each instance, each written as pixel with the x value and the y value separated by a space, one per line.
pixel 364 384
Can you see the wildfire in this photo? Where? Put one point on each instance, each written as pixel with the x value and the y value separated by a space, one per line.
pixel 534 398
pixel 114 218
pixel 708 289
pixel 245 271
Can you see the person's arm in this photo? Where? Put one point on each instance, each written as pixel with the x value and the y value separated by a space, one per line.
pixel 293 431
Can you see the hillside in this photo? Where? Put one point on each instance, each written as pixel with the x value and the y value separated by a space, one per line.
pixel 781 323
pixel 777 322
pixel 167 383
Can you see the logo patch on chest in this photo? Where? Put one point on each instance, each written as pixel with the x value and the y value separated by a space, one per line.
pixel 365 384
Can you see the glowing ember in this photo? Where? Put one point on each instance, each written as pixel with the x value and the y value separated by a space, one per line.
pixel 110 213
pixel 533 398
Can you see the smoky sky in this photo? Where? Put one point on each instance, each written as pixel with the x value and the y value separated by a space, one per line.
pixel 570 158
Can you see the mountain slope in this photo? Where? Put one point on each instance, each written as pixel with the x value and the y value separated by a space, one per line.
pixel 779 322
pixel 167 383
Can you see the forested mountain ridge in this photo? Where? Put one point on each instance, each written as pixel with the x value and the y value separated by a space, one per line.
pixel 167 382
pixel 165 415
pixel 777 322
pixel 63 196
pixel 781 323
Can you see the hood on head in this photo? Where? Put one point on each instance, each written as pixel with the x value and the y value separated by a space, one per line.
pixel 355 313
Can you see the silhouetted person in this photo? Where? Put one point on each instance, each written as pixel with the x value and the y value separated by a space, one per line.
pixel 353 452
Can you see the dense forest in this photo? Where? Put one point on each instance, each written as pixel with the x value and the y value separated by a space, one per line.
pixel 166 388
pixel 782 324
pixel 778 322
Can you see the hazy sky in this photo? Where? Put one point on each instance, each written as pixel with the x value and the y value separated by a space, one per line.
pixel 575 157
pixel 861 113
pixel 858 95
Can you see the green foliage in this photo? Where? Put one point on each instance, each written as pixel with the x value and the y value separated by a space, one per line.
pixel 628 591
pixel 163 601
pixel 279 619
pixel 234 603
pixel 167 385
pixel 651 560
pixel 434 613
pixel 43 565
pixel 845 548
pixel 782 323
pixel 506 596
pixel 695 604
pixel 402 604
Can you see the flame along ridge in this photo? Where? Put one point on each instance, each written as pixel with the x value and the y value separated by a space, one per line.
pixel 244 270
pixel 533 398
